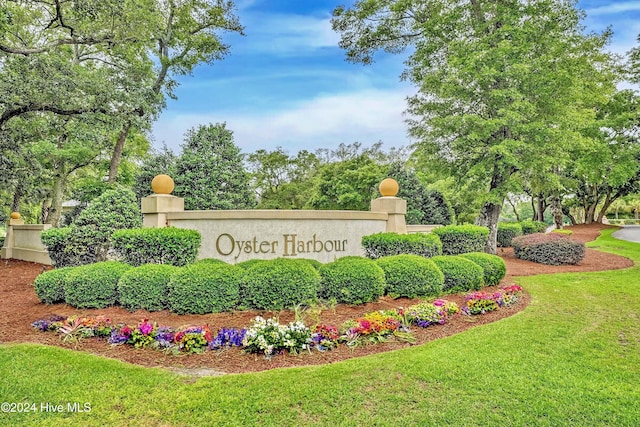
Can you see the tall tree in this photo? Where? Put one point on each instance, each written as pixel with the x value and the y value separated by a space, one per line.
pixel 501 84
pixel 210 173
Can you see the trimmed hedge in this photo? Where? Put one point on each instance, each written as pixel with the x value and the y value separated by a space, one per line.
pixel 506 232
pixel 94 285
pixel 55 240
pixel 493 266
pixel 352 280
pixel 145 287
pixel 562 231
pixel 460 274
pixel 279 283
pixel 204 288
pixel 211 261
pixel 313 262
pixel 550 249
pixel 530 227
pixel 168 245
pixel 250 263
pixel 460 239
pixel 49 286
pixel 411 276
pixel 386 244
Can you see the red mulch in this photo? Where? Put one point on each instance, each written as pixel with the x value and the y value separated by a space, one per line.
pixel 21 307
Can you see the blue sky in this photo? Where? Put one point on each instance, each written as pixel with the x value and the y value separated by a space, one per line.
pixel 286 82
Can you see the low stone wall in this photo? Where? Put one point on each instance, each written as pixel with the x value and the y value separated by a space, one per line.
pixel 23 242
pixel 239 235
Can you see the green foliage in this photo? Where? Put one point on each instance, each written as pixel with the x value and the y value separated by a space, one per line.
pixel 460 239
pixel 212 261
pixel 56 241
pixel 348 184
pixel 90 236
pixel 460 274
pixel 424 206
pixel 279 283
pixel 386 244
pixel 563 231
pixel 314 263
pixel 94 285
pixel 168 245
pixel 411 276
pixel 550 249
pixel 506 232
pixel 49 286
pixel 530 227
pixel 250 263
pixel 204 288
pixel 210 173
pixel 352 280
pixel 493 266
pixel 145 287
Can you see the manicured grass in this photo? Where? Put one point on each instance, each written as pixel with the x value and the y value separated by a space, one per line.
pixel 572 358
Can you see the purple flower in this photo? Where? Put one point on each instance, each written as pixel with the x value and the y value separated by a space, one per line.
pixel 41 325
pixel 227 337
pixel 145 328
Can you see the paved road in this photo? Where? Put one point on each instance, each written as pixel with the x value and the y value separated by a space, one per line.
pixel 630 233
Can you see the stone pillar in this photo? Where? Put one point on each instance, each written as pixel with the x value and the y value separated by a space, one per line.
pixel 393 206
pixel 9 239
pixel 156 207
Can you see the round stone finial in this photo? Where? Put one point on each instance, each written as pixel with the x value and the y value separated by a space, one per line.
pixel 162 184
pixel 15 215
pixel 389 187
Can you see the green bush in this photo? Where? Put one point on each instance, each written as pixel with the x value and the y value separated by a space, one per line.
pixel 550 249
pixel 352 280
pixel 250 263
pixel 506 232
pixel 168 245
pixel 530 227
pixel 145 287
pixel 460 274
pixel 492 265
pixel 460 239
pixel 204 288
pixel 313 262
pixel 56 241
pixel 279 283
pixel 386 244
pixel 211 261
pixel 49 286
pixel 94 285
pixel 562 231
pixel 411 276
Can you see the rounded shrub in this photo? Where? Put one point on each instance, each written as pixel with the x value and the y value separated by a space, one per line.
pixel 56 241
pixel 460 274
pixel 493 266
pixel 145 287
pixel 204 288
pixel 562 231
pixel 352 280
pixel 49 286
pixel 250 263
pixel 507 231
pixel 313 262
pixel 167 245
pixel 386 244
pixel 279 283
pixel 94 285
pixel 460 239
pixel 530 227
pixel 550 249
pixel 411 276
pixel 211 261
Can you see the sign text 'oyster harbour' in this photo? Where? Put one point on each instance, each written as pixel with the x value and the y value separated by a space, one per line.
pixel 290 245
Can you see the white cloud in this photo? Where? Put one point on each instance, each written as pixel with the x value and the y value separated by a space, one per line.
pixel 613 8
pixel 324 122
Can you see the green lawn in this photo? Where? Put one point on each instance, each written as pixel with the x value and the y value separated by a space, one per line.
pixel 572 358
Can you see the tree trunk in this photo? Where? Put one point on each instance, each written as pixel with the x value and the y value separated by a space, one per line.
pixel 57 196
pixel 515 211
pixel 489 215
pixel 542 206
pixel 556 211
pixel 17 198
pixel 533 208
pixel 605 207
pixel 567 212
pixel 116 156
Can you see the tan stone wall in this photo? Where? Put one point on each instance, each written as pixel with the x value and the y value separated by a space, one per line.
pixel 236 236
pixel 23 242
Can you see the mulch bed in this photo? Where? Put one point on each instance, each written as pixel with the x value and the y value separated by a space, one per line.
pixel 21 307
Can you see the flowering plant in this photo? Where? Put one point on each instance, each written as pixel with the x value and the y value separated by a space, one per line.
pixel 228 338
pixel 510 294
pixel 374 326
pixel 482 302
pixel 270 337
pixel 51 323
pixel 194 339
pixel 143 335
pixel 325 337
